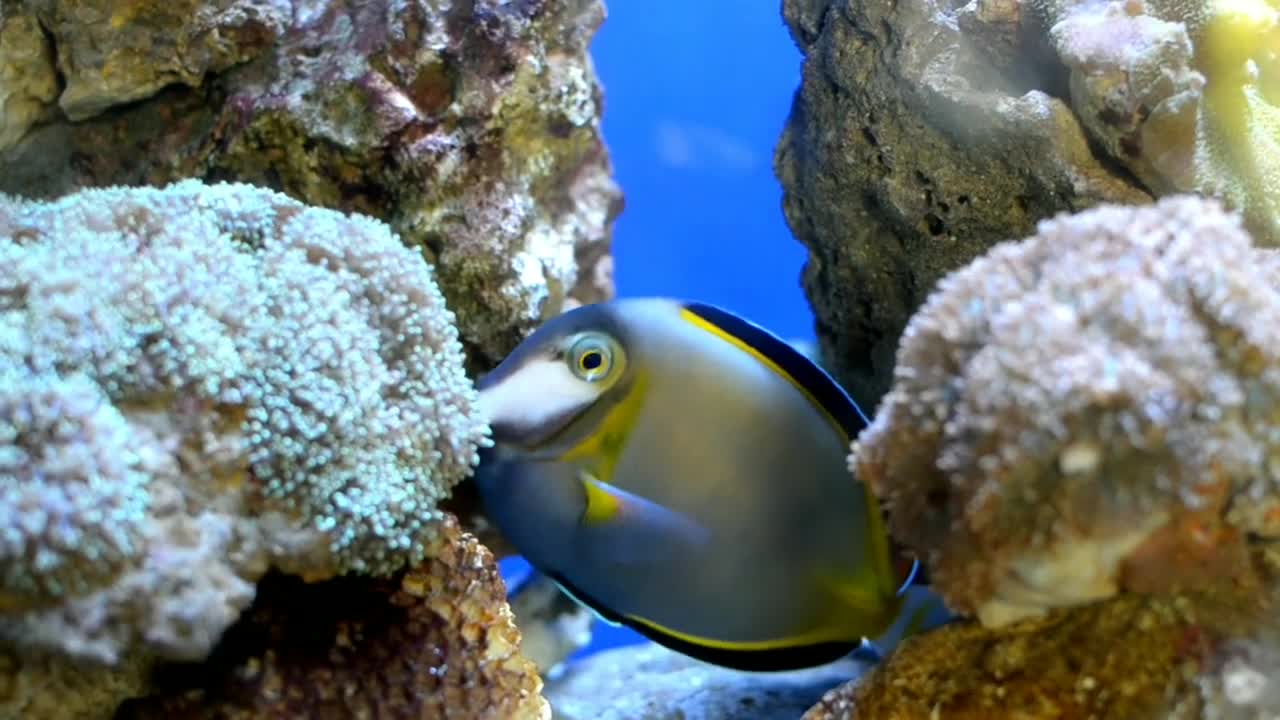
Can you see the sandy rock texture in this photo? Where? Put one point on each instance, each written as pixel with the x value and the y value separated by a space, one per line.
pixel 925 131
pixel 472 127
pixel 1129 658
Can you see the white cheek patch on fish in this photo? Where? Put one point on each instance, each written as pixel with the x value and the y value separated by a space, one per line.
pixel 537 394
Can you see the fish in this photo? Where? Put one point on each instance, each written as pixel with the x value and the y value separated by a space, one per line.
pixel 682 471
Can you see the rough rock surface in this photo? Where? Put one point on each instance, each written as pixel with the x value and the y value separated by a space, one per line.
pixel 472 128
pixel 1195 656
pixel 1184 93
pixel 48 687
pixel 1129 658
pixel 926 131
pixel 434 642
pixel 649 682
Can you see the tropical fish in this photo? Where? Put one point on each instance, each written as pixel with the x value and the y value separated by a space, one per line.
pixel 682 471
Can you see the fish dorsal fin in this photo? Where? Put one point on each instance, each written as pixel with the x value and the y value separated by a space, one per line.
pixel 784 360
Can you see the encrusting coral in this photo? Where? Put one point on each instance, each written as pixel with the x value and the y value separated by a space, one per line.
pixel 435 641
pixel 1186 93
pixel 200 383
pixel 1088 410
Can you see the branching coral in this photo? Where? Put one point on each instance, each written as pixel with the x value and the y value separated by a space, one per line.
pixel 199 383
pixel 1089 409
pixel 1185 92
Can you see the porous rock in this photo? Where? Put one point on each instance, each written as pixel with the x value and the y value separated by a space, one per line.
pixel 111 52
pixel 45 686
pixel 471 127
pixel 1170 656
pixel 923 132
pixel 1128 658
pixel 434 642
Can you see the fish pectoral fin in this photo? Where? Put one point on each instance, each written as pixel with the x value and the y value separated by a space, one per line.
pixel 604 502
pixel 624 526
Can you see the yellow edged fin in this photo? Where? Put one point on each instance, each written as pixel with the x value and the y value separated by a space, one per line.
pixel 822 392
pixel 602 506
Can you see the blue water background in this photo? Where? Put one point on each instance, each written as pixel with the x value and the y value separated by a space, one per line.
pixel 696 95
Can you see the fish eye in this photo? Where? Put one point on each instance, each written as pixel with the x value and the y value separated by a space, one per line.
pixel 591 358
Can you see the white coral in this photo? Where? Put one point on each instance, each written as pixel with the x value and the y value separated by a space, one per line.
pixel 202 382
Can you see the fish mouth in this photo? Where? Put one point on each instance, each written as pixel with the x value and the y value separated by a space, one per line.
pixel 522 430
pixel 532 437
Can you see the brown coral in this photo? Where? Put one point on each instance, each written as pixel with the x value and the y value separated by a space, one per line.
pixel 437 641
pixel 1087 410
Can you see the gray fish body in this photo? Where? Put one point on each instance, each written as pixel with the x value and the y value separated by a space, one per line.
pixel 730 443
pixel 719 438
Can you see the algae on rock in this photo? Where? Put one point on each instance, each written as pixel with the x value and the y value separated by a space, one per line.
pixel 924 132
pixel 472 128
pixel 435 641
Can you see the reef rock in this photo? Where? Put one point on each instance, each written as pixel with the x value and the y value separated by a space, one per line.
pixel 1080 444
pixel 924 132
pixel 1059 668
pixel 199 384
pixel 649 682
pixel 434 642
pixel 1184 93
pixel 1129 658
pixel 472 128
